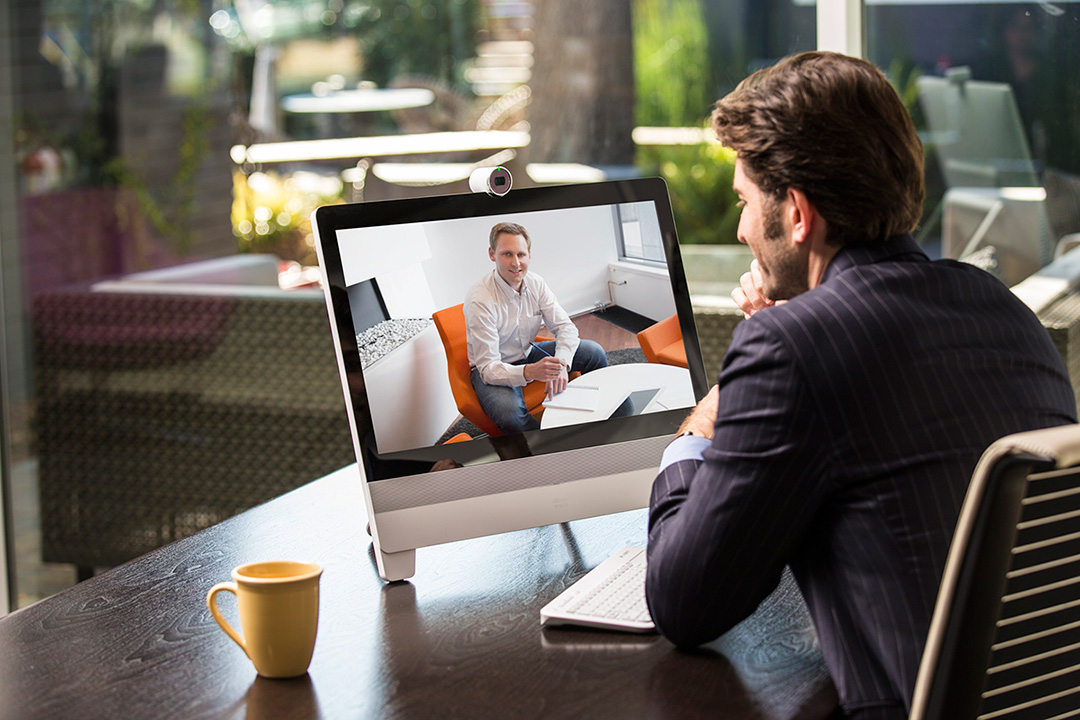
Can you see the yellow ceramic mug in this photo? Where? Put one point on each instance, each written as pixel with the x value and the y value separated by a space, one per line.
pixel 279 614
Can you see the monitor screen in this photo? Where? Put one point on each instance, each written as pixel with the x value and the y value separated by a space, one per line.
pixel 435 467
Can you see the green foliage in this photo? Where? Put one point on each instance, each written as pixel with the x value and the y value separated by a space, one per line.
pixel 904 76
pixel 699 181
pixel 272 213
pixel 172 209
pixel 418 37
pixel 670 63
pixel 672 81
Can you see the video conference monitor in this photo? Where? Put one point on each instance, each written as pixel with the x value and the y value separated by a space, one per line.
pixel 610 255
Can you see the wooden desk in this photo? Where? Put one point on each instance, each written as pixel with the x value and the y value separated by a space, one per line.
pixel 461 640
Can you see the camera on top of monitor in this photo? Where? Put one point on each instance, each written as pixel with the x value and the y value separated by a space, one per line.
pixel 492 180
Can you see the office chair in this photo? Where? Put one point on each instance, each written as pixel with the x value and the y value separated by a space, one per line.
pixel 662 342
pixel 1004 641
pixel 450 323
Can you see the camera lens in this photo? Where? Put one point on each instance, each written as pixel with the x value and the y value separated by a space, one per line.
pixel 494 181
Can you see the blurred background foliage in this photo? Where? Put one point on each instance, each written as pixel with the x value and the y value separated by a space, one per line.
pixel 675 74
pixel 671 62
pixel 271 213
pixel 411 37
pixel 699 182
pixel 672 80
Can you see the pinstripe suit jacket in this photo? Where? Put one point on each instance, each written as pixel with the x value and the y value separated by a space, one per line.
pixel 850 421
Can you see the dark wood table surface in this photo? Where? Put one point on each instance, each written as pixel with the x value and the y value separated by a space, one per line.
pixel 462 639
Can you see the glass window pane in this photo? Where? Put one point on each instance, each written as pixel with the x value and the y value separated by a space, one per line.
pixel 995 91
pixel 171 374
pixel 688 54
pixel 166 343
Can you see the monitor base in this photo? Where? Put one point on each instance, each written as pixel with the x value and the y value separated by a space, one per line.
pixel 395 566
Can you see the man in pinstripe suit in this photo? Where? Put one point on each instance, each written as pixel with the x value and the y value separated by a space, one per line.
pixel 853 403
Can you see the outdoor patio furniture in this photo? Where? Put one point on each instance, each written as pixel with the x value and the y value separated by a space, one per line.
pixel 164 407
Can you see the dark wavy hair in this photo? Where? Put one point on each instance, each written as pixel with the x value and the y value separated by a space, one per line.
pixel 833 127
pixel 507 228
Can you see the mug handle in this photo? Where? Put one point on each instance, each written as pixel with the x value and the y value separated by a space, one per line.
pixel 211 602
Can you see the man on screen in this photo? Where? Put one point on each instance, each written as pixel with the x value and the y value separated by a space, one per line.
pixel 503 313
pixel 853 404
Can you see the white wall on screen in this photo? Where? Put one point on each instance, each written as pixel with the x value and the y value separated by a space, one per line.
pixel 643 289
pixel 406 293
pixel 570 250
pixel 411 402
pixel 368 253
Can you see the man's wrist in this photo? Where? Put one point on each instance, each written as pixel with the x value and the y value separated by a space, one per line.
pixel 695 426
pixel 685 449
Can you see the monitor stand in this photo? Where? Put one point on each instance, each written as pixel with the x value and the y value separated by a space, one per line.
pixel 394 566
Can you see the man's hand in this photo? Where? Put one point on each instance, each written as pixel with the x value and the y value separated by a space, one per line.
pixel 702 419
pixel 749 296
pixel 556 386
pixel 550 370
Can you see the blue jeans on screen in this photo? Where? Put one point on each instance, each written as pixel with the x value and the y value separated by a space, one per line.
pixel 505 405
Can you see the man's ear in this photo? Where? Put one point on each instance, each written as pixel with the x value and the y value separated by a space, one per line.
pixel 803 217
pixel 809 233
pixel 491 254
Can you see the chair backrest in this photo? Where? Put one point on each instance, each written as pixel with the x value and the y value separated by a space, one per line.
pixel 450 322
pixel 662 342
pixel 1004 641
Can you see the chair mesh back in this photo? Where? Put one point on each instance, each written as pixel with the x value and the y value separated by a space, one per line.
pixel 1034 668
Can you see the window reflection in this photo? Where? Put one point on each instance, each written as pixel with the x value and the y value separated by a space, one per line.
pixel 995 90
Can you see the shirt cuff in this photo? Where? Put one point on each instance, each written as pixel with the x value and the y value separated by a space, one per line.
pixel 517 375
pixel 685 447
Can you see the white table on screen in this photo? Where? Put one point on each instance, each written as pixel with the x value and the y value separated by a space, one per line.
pixel 618 381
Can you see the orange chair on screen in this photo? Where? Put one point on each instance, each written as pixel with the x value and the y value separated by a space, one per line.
pixel 663 342
pixel 450 323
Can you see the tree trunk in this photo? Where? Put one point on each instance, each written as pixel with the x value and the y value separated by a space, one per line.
pixel 582 107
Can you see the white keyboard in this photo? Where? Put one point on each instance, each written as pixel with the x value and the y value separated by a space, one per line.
pixel 611 596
